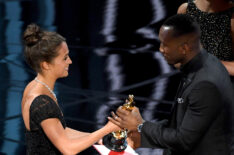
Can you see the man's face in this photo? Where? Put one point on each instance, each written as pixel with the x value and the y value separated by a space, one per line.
pixel 170 46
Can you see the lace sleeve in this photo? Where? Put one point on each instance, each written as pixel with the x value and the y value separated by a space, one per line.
pixel 42 108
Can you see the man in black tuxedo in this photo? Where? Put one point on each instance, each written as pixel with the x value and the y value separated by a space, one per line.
pixel 202 116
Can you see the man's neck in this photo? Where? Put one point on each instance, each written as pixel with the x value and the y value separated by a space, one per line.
pixel 190 57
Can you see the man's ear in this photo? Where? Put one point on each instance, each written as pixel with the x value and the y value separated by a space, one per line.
pixel 45 65
pixel 185 48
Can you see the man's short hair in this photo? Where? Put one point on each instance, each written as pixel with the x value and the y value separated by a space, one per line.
pixel 182 24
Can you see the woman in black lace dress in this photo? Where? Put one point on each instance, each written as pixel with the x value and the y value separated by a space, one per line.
pixel 216 19
pixel 46 131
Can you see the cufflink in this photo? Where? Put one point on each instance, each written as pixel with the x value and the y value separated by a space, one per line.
pixel 180 100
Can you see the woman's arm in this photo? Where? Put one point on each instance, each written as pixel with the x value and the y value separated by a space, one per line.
pixel 72 134
pixel 67 145
pixel 230 64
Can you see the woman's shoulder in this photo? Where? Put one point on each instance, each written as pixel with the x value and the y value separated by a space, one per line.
pixel 41 100
pixel 27 100
pixel 33 101
pixel 44 97
pixel 182 8
pixel 33 94
pixel 42 107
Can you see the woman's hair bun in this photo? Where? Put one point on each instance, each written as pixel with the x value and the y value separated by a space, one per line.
pixel 32 35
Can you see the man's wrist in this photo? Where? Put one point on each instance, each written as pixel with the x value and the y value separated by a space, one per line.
pixel 139 127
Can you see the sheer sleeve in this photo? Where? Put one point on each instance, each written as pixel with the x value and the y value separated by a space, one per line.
pixel 42 108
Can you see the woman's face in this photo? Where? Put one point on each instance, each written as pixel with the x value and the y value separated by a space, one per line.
pixel 60 64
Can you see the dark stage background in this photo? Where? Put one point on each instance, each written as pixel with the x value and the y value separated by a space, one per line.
pixel 114 47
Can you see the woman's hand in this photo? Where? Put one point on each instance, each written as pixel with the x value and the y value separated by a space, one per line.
pixel 112 127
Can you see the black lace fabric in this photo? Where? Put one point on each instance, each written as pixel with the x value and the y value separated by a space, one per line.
pixel 42 108
pixel 215 31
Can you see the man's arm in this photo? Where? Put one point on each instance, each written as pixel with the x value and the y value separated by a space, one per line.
pixel 204 105
pixel 131 121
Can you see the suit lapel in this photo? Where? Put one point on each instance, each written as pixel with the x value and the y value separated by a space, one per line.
pixel 185 82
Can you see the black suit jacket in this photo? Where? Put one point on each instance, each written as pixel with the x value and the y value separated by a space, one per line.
pixel 202 116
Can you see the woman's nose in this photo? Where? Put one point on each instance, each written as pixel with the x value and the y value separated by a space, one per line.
pixel 70 61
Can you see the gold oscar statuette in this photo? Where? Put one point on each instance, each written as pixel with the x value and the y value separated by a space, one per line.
pixel 127 106
pixel 116 141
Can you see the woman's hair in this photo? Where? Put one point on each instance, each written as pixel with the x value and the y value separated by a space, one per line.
pixel 40 46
